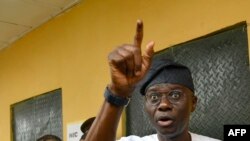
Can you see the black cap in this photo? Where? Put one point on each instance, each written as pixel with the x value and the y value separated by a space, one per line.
pixel 49 137
pixel 87 124
pixel 167 71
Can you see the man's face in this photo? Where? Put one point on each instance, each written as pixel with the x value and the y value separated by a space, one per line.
pixel 169 107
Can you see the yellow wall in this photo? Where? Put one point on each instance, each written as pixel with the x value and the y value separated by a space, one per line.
pixel 70 51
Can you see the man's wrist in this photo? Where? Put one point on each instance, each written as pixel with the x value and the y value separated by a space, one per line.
pixel 114 99
pixel 120 90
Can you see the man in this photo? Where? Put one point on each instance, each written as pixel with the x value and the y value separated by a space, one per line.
pixel 85 127
pixel 49 138
pixel 167 87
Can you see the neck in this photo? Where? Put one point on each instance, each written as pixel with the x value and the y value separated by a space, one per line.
pixel 185 136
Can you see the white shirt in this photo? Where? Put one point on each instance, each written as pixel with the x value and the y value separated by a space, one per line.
pixel 153 137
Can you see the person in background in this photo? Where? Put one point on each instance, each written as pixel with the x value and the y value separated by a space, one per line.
pixel 49 138
pixel 85 127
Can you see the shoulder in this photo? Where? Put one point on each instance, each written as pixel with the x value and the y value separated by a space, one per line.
pixel 197 137
pixel 152 137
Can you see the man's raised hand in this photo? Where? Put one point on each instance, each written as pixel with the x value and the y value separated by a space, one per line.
pixel 127 64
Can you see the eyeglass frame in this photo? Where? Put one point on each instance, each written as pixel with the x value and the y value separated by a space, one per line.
pixel 181 94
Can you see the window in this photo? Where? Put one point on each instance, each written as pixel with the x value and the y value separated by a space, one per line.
pixel 37 116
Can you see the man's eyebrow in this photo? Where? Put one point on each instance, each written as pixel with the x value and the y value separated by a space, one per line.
pixel 177 87
pixel 171 88
pixel 152 89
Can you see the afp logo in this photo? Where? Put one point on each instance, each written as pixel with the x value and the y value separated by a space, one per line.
pixel 236 132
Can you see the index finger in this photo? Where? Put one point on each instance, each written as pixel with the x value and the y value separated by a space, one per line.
pixel 138 34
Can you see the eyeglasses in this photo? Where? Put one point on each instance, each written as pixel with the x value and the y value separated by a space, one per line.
pixel 173 96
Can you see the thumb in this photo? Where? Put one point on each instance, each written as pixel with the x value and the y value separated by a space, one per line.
pixel 147 57
pixel 149 52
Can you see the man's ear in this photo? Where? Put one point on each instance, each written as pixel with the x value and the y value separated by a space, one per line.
pixel 194 102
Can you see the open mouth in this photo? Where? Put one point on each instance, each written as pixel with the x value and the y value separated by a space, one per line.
pixel 165 121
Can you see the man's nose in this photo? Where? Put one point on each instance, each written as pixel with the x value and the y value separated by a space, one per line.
pixel 165 104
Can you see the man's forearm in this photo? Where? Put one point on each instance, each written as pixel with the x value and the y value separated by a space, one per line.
pixel 106 123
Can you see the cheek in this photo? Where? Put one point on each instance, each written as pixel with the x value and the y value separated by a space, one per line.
pixel 149 110
pixel 184 109
pixel 146 108
pixel 184 112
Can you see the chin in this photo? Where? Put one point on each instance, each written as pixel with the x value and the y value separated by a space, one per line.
pixel 170 132
pixel 169 135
